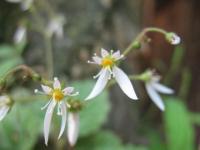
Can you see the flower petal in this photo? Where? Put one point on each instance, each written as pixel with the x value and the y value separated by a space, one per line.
pixel 73 128
pixel 56 83
pixel 46 89
pixel 64 118
pixel 68 90
pixel 116 55
pixel 154 96
pixel 100 84
pixel 3 112
pixel 124 83
pixel 4 98
pixel 104 52
pixel 162 89
pixel 97 59
pixel 47 120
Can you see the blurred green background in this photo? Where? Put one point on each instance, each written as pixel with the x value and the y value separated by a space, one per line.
pixel 111 121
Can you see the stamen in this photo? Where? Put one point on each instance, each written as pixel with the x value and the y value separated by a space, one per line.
pixel 47 104
pixel 111 51
pixel 74 94
pixel 68 105
pixel 55 78
pixel 59 112
pixel 91 62
pixel 97 75
pixel 36 91
pixel 39 92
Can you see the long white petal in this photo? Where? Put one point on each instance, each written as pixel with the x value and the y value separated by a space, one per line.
pixel 64 118
pixel 73 128
pixel 47 120
pixel 56 84
pixel 162 89
pixel 68 90
pixel 155 96
pixel 124 83
pixel 46 89
pixel 100 84
pixel 3 111
pixel 104 52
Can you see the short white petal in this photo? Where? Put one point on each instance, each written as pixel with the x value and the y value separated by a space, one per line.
pixel 46 89
pixel 56 84
pixel 47 120
pixel 100 84
pixel 104 52
pixel 3 112
pixel 117 55
pixel 154 96
pixel 162 89
pixel 68 90
pixel 64 118
pixel 73 128
pixel 97 59
pixel 124 83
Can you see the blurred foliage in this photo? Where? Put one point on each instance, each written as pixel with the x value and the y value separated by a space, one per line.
pixel 92 116
pixel 10 56
pixel 179 130
pixel 21 128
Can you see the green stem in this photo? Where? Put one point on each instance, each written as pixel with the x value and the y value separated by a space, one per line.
pixel 47 42
pixel 28 72
pixel 49 55
pixel 140 37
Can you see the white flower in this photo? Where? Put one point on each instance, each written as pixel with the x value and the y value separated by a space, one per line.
pixel 173 38
pixel 57 96
pixel 25 4
pixel 4 106
pixel 109 69
pixel 20 34
pixel 73 127
pixel 153 87
pixel 55 26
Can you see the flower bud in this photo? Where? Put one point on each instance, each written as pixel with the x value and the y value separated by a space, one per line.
pixel 173 38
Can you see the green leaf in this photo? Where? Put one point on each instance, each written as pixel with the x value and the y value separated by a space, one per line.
pixel 22 126
pixel 155 141
pixel 95 113
pixel 6 51
pixel 20 47
pixel 195 118
pixel 134 147
pixel 9 64
pixel 179 130
pixel 103 140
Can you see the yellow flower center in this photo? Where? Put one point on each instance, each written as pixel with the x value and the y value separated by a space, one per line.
pixel 58 94
pixel 107 62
